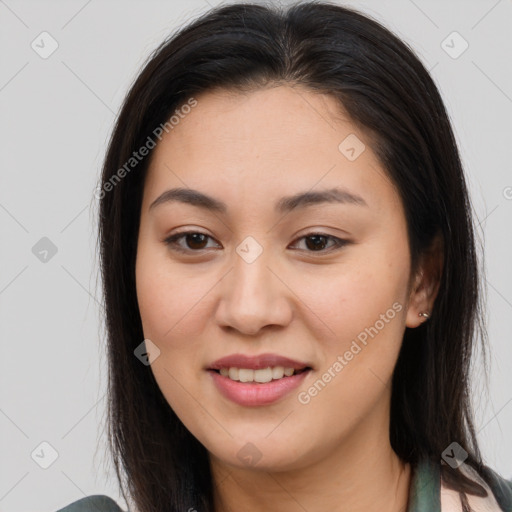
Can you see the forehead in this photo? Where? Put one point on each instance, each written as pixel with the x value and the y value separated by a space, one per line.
pixel 267 141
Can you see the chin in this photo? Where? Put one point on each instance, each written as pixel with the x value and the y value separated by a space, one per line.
pixel 262 455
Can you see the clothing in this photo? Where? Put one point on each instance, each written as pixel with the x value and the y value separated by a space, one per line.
pixel 94 503
pixel 426 494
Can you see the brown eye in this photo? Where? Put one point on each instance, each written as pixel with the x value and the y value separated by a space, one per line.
pixel 194 241
pixel 317 242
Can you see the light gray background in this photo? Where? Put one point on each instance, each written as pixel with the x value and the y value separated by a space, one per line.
pixel 56 116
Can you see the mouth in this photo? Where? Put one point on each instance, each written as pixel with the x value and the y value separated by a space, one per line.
pixel 262 387
pixel 260 376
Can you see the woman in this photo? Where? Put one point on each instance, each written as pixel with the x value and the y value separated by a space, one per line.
pixel 291 285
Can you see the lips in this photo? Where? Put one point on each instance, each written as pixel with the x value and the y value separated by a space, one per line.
pixel 258 362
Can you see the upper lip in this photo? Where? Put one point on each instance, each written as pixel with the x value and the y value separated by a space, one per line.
pixel 258 362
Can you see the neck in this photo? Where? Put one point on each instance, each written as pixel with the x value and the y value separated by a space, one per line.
pixel 359 475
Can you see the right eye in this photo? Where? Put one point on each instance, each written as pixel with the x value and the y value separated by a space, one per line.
pixel 195 240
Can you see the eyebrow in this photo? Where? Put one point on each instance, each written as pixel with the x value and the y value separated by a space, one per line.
pixel 283 205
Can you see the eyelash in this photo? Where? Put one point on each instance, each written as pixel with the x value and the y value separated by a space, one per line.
pixel 171 241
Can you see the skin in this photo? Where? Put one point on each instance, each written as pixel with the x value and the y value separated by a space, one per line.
pixel 249 150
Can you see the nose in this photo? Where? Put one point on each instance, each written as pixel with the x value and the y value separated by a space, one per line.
pixel 253 296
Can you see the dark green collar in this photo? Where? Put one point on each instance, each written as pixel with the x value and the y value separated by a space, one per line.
pixel 425 489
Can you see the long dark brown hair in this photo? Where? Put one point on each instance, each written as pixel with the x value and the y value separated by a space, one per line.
pixel 390 95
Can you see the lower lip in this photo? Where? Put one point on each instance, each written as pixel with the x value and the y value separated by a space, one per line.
pixel 254 394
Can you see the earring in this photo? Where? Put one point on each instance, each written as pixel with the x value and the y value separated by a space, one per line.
pixel 425 315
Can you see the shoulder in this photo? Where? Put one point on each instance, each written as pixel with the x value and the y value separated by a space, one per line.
pixel 498 499
pixel 95 503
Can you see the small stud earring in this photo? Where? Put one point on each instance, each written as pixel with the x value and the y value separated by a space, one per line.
pixel 425 315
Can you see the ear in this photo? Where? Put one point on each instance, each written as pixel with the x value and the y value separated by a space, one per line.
pixel 426 282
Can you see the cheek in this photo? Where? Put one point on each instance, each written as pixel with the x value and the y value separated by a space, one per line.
pixel 365 307
pixel 166 303
pixel 367 314
pixel 354 295
pixel 167 297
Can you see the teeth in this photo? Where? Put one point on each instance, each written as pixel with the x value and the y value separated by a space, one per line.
pixel 277 372
pixel 262 376
pixel 245 375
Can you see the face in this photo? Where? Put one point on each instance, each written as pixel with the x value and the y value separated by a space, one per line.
pixel 322 281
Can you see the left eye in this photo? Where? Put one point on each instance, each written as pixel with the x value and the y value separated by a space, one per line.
pixel 319 241
pixel 195 241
